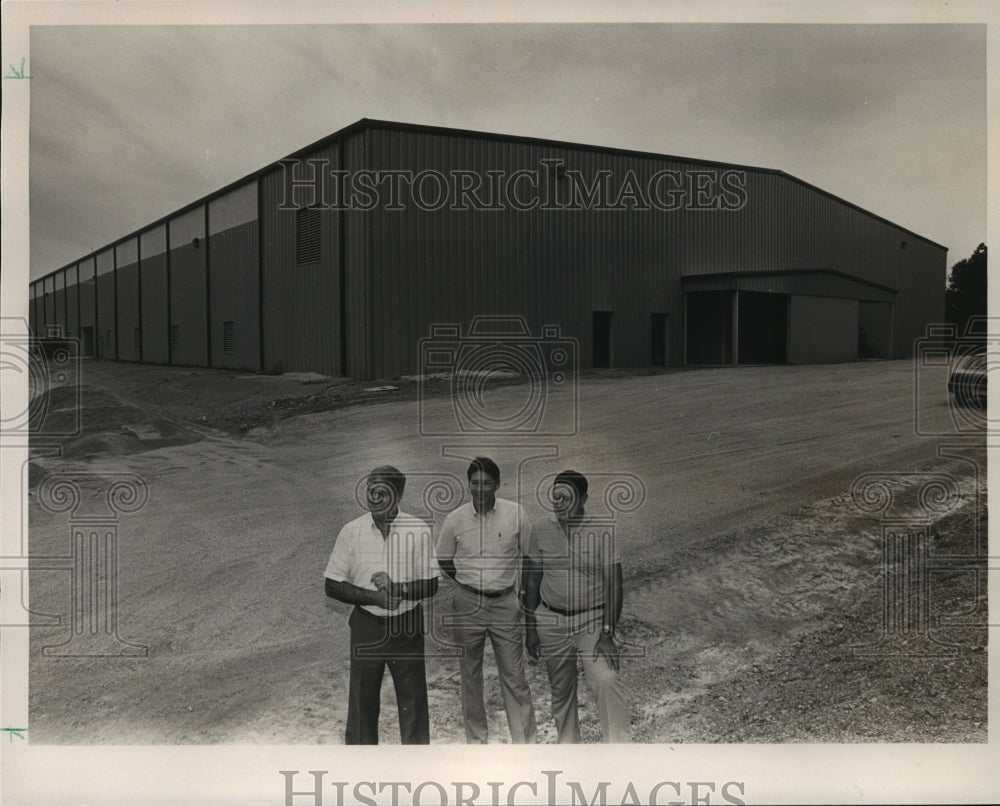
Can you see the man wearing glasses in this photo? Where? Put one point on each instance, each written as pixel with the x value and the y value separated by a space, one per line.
pixel 481 546
pixel 573 598
pixel 382 563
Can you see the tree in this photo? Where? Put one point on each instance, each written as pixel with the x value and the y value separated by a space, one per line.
pixel 965 296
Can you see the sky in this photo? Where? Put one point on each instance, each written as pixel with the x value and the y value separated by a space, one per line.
pixel 128 123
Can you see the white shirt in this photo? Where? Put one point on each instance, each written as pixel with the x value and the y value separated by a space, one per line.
pixel 406 555
pixel 486 548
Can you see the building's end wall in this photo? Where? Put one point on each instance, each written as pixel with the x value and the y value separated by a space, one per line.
pixel 921 279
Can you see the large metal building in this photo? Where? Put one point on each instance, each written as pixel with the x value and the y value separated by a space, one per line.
pixel 343 256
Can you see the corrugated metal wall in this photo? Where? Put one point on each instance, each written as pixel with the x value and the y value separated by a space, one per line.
pixel 547 265
pixel 72 303
pixel 59 300
pixel 153 267
pixel 106 331
pixel 558 266
pixel 921 296
pixel 384 278
pixel 188 289
pixel 234 277
pixel 129 321
pixel 88 307
pixel 33 308
pixel 356 280
pixel 301 321
pixel 826 232
pixel 48 303
pixel 818 284
pixel 44 300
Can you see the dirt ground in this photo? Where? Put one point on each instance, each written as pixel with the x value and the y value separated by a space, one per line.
pixel 754 582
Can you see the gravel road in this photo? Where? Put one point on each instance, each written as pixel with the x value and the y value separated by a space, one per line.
pixel 752 578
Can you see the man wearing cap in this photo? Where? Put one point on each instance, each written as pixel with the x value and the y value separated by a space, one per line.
pixel 382 563
pixel 481 546
pixel 573 598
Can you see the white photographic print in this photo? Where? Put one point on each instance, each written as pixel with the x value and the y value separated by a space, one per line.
pixel 607 387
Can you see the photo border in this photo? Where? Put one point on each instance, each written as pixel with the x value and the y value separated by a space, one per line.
pixel 930 773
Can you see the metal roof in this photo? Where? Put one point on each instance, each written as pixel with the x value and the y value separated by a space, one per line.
pixel 814 280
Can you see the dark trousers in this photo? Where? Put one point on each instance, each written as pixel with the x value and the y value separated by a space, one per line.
pixel 396 642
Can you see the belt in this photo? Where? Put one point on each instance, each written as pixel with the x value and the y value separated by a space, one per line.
pixel 391 617
pixel 487 594
pixel 563 612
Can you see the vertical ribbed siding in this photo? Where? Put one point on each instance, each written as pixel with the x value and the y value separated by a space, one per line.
pixel 127 257
pixel 301 302
pixel 48 303
pixel 59 300
pixel 234 280
pixel 33 309
pixel 827 233
pixel 72 303
pixel 920 301
pixel 188 303
pixel 153 266
pixel 38 308
pixel 88 307
pixel 356 270
pixel 551 266
pixel 386 277
pixel 106 330
pixel 558 266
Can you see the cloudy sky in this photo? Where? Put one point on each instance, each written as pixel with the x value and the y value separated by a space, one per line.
pixel 129 123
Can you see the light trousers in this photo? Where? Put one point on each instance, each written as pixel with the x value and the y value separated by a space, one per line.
pixel 563 640
pixel 501 619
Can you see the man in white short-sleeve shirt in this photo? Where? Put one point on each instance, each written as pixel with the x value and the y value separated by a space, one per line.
pixel 382 562
pixel 480 547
